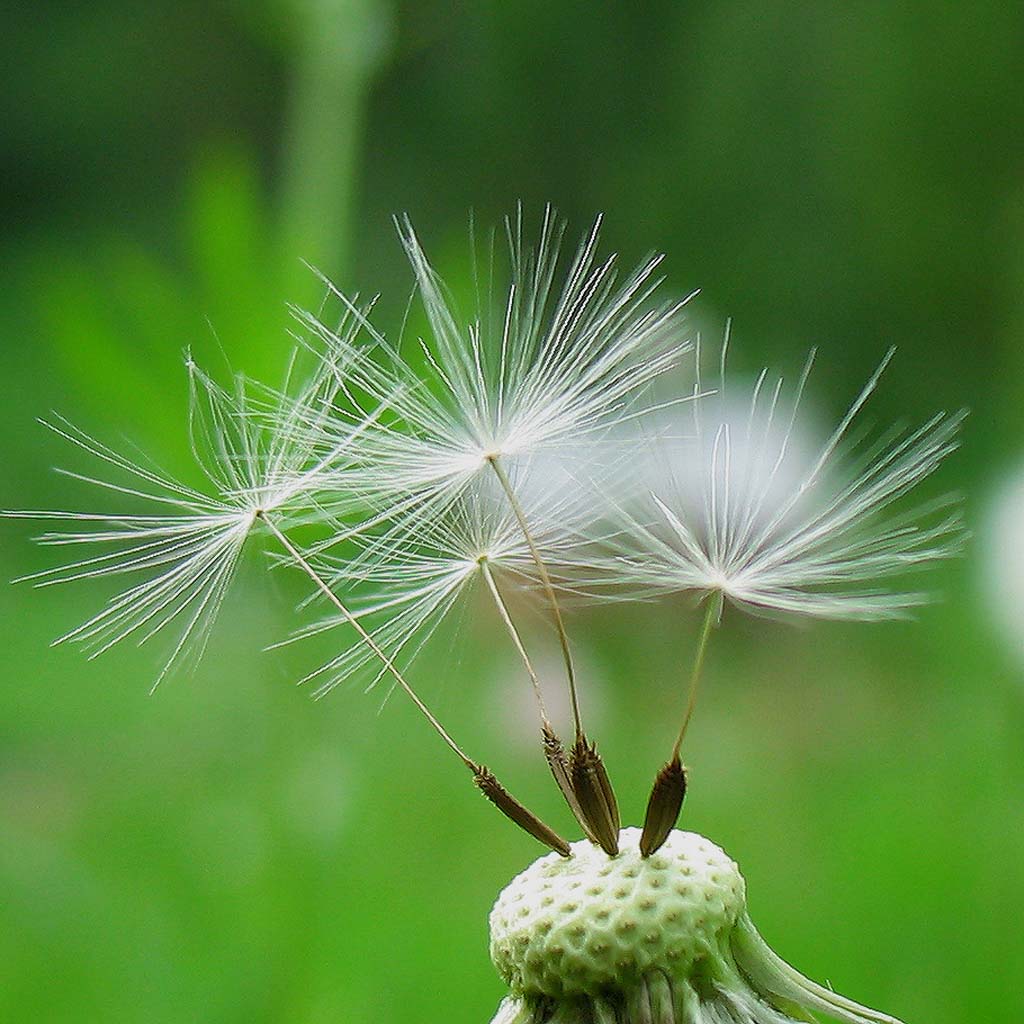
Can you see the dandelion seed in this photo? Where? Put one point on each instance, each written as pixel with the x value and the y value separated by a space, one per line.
pixel 422 568
pixel 770 529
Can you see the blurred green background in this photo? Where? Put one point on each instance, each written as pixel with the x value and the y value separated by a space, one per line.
pixel 227 850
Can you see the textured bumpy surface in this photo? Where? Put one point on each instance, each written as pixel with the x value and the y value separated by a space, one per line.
pixel 587 923
pixel 593 939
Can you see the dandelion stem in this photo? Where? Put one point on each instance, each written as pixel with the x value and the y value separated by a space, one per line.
pixel 711 617
pixel 545 578
pixel 317 579
pixel 517 639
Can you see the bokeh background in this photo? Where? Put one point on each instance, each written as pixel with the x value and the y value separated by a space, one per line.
pixel 227 850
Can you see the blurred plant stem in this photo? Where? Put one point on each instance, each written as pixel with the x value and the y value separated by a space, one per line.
pixel 339 46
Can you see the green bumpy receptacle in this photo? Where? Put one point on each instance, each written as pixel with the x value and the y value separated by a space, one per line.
pixel 593 939
pixel 577 925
